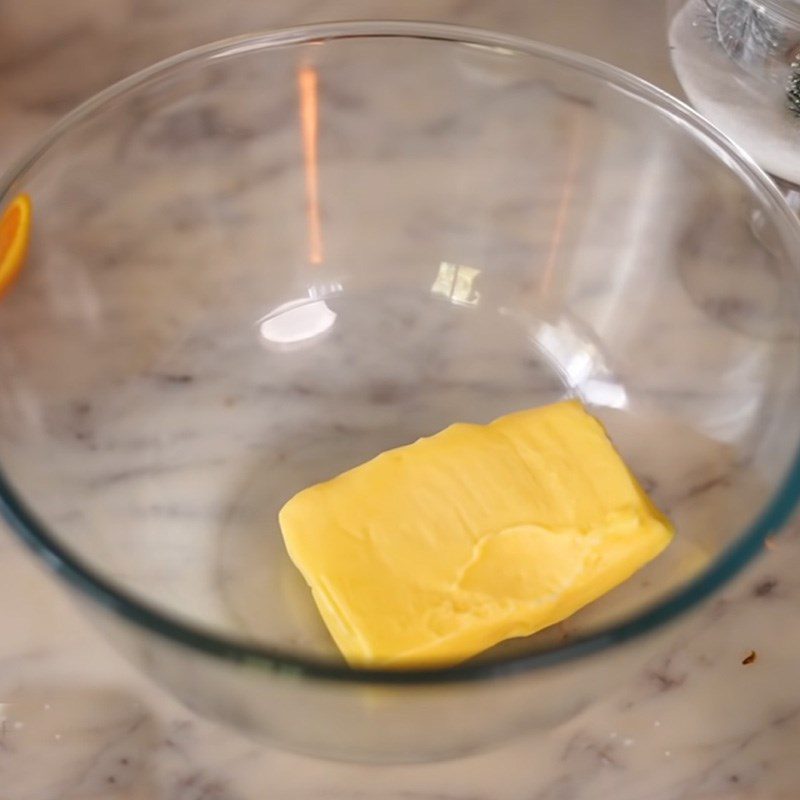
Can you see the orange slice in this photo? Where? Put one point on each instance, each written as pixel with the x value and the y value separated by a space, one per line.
pixel 15 231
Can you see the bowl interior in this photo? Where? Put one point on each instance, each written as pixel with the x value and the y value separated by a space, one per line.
pixel 254 269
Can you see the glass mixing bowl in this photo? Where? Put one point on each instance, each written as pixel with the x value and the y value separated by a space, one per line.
pixel 265 261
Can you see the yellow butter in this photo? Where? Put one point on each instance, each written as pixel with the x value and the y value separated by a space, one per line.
pixel 433 552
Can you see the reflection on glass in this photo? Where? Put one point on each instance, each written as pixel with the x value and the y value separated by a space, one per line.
pixel 296 322
pixel 308 85
pixel 580 362
pixel 455 282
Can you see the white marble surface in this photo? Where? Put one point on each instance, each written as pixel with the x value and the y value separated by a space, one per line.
pixel 77 722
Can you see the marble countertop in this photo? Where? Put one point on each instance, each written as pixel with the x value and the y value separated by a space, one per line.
pixel 703 721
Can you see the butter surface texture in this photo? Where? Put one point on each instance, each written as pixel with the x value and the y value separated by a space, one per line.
pixel 433 552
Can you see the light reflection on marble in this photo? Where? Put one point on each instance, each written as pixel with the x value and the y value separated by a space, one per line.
pixel 78 722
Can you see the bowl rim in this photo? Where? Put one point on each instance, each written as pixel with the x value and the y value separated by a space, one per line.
pixel 771 518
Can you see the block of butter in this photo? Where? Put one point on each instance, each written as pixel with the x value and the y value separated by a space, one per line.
pixel 430 553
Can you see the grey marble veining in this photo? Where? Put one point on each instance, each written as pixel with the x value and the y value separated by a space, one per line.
pixel 76 722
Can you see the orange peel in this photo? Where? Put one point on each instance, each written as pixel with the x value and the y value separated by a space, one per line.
pixel 15 230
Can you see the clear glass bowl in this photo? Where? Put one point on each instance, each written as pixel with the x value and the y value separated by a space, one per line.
pixel 266 260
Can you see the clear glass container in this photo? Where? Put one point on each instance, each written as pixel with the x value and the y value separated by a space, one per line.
pixel 266 260
pixel 739 63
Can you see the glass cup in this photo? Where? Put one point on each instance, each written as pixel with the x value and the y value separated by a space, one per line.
pixel 264 261
pixel 739 63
